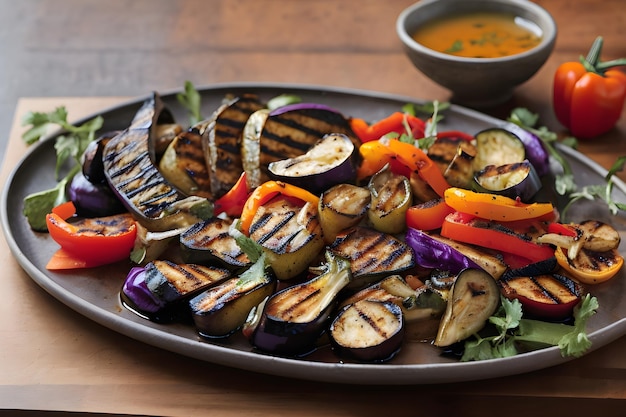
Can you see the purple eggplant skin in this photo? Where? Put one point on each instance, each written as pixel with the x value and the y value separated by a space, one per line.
pixel 430 253
pixel 92 164
pixel 536 153
pixel 91 199
pixel 368 331
pixel 160 291
pixel 137 297
pixel 302 106
pixel 295 317
pixel 276 336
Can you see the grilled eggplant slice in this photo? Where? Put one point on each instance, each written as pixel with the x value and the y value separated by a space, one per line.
pixel 546 296
pixel 222 309
pixel 209 241
pixel 455 159
pixel 497 146
pixel 251 147
pixel 288 132
pixel 223 141
pixel 342 207
pixel 132 173
pixel 295 317
pixel 159 290
pixel 390 199
pixel 372 254
pixel 329 162
pixel 474 298
pixel 290 234
pixel 368 330
pixel 417 305
pixel 519 179
pixel 183 163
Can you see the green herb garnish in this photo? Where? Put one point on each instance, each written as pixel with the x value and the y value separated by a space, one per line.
pixel 192 101
pixel 514 331
pixel 68 146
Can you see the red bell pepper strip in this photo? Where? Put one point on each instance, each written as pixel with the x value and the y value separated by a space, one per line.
pixel 396 122
pixel 89 242
pixel 428 215
pixel 588 96
pixel 493 235
pixel 417 161
pixel 495 207
pixel 233 201
pixel 265 192
pixel 455 134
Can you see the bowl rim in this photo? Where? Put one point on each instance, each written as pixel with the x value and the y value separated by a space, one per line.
pixel 547 41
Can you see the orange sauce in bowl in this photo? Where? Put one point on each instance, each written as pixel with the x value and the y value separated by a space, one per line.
pixel 479 35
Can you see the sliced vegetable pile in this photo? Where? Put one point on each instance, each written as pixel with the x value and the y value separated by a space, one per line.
pixel 301 227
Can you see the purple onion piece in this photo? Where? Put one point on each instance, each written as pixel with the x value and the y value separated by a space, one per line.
pixel 431 253
pixel 93 200
pixel 536 153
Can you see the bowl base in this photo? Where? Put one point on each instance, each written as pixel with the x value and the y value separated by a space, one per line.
pixel 475 102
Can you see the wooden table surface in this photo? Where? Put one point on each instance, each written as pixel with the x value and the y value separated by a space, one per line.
pixel 89 55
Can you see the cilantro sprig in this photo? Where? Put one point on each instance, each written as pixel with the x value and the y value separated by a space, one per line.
pixel 512 331
pixel 69 146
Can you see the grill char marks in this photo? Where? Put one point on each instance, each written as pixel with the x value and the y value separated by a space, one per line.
pixel 224 138
pixel 292 133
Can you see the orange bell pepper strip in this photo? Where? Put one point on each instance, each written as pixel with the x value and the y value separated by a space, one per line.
pixel 494 207
pixel 466 228
pixel 428 215
pixel 265 192
pixel 588 96
pixel 417 161
pixel 396 122
pixel 374 156
pixel 233 201
pixel 89 242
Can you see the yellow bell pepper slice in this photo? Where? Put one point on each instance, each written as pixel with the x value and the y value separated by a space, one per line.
pixel 494 207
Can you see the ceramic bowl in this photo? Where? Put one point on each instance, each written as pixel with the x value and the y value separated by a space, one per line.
pixel 476 82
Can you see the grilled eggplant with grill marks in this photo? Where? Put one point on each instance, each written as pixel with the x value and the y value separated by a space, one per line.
pixel 160 290
pixel 131 171
pixel 475 296
pixel 288 132
pixel 183 163
pixel 223 141
pixel 224 308
pixel 295 317
pixel 329 162
pixel 341 207
pixel 372 254
pixel 368 330
pixel 209 241
pixel 391 197
pixel 290 234
pixel 454 158
pixel 416 304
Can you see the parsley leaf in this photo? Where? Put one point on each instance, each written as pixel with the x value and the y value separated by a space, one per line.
pixel 69 146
